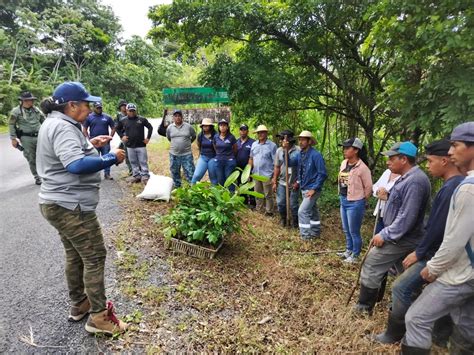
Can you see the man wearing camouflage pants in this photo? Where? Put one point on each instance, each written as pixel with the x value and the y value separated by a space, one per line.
pixel 24 124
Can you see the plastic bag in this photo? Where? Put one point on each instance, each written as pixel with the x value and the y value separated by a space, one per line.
pixel 158 187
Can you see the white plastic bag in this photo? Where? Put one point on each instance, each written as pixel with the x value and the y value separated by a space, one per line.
pixel 158 187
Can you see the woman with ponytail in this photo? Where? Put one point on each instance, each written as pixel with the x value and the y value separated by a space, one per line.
pixel 70 166
pixel 355 187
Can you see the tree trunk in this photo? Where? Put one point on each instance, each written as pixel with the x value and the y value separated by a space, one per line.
pixel 10 80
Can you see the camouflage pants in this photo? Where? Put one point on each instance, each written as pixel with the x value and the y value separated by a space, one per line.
pixel 81 236
pixel 30 143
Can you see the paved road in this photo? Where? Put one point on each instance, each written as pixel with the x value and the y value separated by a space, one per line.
pixel 33 291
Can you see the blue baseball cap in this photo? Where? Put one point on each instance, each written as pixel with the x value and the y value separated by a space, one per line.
pixel 464 132
pixel 73 91
pixel 405 148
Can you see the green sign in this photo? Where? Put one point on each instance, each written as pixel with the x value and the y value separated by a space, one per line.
pixel 198 95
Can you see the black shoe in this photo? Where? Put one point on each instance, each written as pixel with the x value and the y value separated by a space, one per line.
pixel 108 177
pixel 394 332
pixel 367 299
pixel 411 350
pixel 38 181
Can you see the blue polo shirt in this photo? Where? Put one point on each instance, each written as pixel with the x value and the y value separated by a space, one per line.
pixel 207 147
pixel 224 146
pixel 243 152
pixel 98 124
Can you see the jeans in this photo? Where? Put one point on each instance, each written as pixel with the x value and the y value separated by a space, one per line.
pixel 281 200
pixel 437 300
pixel 223 169
pixel 178 161
pixel 102 151
pixel 352 214
pixel 407 285
pixel 205 164
pixel 139 161
pixel 308 216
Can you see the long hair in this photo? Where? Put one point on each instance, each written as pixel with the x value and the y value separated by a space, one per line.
pixel 48 105
pixel 362 154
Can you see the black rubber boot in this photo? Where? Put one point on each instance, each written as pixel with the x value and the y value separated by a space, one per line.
pixel 367 299
pixel 394 332
pixel 411 350
pixel 459 345
pixel 283 219
pixel 442 330
pixel 295 222
pixel 383 285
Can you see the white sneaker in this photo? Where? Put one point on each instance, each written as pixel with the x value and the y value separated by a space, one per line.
pixel 351 260
pixel 344 255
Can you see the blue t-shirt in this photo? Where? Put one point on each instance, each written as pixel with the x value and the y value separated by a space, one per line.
pixel 243 152
pixel 224 146
pixel 98 124
pixel 207 147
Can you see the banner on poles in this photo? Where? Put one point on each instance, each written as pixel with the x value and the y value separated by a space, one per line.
pixel 196 115
pixel 196 95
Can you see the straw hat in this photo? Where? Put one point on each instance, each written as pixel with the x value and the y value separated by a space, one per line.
pixel 308 134
pixel 261 128
pixel 206 122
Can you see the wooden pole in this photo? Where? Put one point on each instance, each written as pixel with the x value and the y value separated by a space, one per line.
pixel 287 188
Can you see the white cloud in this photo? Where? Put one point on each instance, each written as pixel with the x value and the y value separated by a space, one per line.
pixel 133 15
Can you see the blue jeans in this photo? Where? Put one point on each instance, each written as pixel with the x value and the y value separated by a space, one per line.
pixel 102 151
pixel 407 285
pixel 205 164
pixel 223 169
pixel 178 161
pixel 281 200
pixel 139 160
pixel 352 213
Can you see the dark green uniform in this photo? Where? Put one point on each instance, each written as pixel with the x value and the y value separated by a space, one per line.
pixel 24 124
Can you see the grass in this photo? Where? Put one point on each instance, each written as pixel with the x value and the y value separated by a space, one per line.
pixel 267 290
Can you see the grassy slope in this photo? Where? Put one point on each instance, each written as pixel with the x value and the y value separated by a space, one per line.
pixel 264 275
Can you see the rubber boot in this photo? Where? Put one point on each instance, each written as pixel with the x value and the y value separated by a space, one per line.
pixel 394 332
pixel 283 219
pixel 411 350
pixel 442 330
pixel 382 287
pixel 459 345
pixel 367 299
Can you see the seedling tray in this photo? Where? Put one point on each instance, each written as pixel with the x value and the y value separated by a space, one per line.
pixel 197 251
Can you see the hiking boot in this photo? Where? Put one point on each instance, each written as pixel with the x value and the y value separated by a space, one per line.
pixel 351 259
pixel 394 332
pixel 108 177
pixel 345 254
pixel 79 311
pixel 105 322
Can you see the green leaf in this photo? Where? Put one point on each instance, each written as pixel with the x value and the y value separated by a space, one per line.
pixel 254 193
pixel 260 178
pixel 232 178
pixel 246 174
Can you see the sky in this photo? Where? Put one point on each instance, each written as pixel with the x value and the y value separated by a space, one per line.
pixel 133 15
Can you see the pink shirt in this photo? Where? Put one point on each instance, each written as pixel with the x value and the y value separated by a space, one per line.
pixel 360 181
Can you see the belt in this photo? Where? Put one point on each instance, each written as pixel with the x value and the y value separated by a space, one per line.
pixel 30 134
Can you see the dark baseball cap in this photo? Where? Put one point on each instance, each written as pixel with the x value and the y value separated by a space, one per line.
pixel 122 103
pixel 177 112
pixel 439 148
pixel 223 120
pixel 98 104
pixel 352 142
pixel 244 127
pixel 405 148
pixel 131 107
pixel 72 91
pixel 464 132
pixel 284 133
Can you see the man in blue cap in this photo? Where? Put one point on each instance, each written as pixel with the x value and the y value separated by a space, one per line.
pixel 403 219
pixel 451 270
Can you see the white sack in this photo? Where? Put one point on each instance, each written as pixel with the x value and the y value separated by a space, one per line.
pixel 158 187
